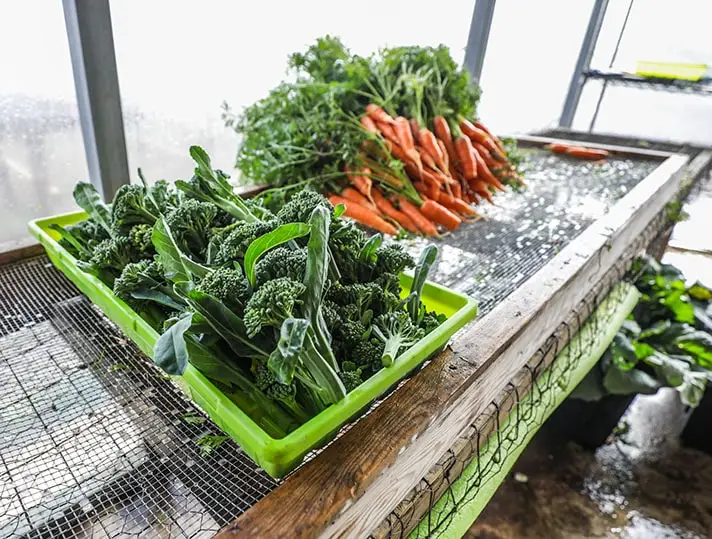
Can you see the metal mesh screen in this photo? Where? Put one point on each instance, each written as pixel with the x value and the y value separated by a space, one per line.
pixel 95 441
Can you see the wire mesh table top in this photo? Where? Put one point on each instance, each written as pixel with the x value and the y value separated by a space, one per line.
pixel 95 441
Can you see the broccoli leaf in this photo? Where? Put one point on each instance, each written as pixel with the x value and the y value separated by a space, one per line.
pixel 283 361
pixel 170 352
pixel 89 199
pixel 367 255
pixel 177 266
pixel 224 322
pixel 261 245
pixel 426 261
pixel 699 292
pixel 315 276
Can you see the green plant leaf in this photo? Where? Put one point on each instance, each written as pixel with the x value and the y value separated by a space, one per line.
pixel 176 265
pixel 367 255
pixel 681 308
pixel 623 352
pixel 698 344
pixel 89 199
pixel 618 382
pixel 339 210
pixel 283 360
pixel 225 323
pixel 261 245
pixel 420 275
pixel 693 388
pixel 158 297
pixel 170 352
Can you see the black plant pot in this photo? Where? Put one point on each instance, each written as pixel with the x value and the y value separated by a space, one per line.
pixel 589 423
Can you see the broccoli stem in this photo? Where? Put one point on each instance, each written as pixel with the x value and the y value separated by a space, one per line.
pixel 319 368
pixel 296 409
pixel 390 350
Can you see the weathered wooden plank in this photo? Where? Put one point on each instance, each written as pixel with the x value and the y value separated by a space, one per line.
pixel 352 486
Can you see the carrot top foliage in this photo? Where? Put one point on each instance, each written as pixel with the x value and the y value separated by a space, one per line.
pixel 304 131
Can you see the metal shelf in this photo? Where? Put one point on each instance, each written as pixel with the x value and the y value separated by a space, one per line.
pixel 701 87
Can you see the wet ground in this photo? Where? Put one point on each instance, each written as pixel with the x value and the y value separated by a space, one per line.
pixel 641 484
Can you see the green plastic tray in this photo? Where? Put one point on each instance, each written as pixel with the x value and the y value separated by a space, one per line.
pixel 276 456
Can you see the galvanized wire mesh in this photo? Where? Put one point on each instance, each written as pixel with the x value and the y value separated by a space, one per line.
pixel 95 441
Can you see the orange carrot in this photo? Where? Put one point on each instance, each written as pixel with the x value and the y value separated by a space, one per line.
pixel 387 131
pixel 443 153
pixel 369 125
pixel 471 132
pixel 363 215
pixel 484 172
pixel 378 114
pixel 349 193
pixel 414 127
pixel 412 211
pixel 586 153
pixel 399 153
pixel 427 190
pixel 480 187
pixel 430 144
pixel 480 125
pixel 389 210
pixel 466 163
pixel 486 155
pixel 432 184
pixel 426 158
pixel 404 134
pixel 442 131
pixel 456 189
pixel 558 148
pixel 455 204
pixel 440 214
pixel 361 180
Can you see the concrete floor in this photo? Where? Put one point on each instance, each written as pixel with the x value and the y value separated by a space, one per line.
pixel 642 484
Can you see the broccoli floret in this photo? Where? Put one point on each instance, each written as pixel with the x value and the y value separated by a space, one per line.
pixel 212 185
pixel 392 259
pixel 190 224
pixel 351 333
pixel 113 254
pixel 164 196
pixel 330 312
pixel 233 246
pixel 143 287
pixel 367 355
pixel 397 332
pixel 300 207
pixel 351 376
pixel 140 236
pixel 281 262
pixel 144 280
pixel 431 320
pixel 228 285
pixel 388 282
pixel 345 242
pixel 281 393
pixel 80 239
pixel 274 302
pixel 271 305
pixel 361 301
pixel 222 220
pixel 131 207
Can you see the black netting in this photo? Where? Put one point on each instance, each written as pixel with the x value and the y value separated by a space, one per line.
pixel 96 441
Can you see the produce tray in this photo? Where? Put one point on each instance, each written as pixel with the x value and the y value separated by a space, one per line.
pixel 276 456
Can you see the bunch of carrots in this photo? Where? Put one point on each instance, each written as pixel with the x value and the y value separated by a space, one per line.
pixel 443 176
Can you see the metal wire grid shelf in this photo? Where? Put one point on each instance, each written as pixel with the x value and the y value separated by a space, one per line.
pixel 94 441
pixel 701 87
pixel 526 400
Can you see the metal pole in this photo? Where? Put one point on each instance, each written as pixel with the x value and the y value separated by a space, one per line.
pixel 583 63
pixel 478 38
pixel 610 66
pixel 91 46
